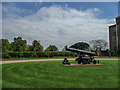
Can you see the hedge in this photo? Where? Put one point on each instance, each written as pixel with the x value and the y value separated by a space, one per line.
pixel 30 54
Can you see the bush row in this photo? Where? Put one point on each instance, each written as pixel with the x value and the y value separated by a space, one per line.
pixel 29 54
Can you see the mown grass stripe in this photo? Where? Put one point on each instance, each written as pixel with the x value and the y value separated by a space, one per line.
pixel 55 75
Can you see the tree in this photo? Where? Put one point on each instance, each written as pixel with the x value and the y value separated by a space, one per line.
pixel 80 45
pixel 29 47
pixel 51 48
pixel 95 44
pixel 11 46
pixel 36 46
pixel 0 45
pixel 34 53
pixel 19 44
pixel 4 47
pixel 64 49
pixel 5 44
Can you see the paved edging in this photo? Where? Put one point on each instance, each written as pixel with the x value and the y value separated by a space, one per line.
pixel 20 61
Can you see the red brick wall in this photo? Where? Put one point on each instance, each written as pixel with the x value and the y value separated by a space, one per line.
pixel 118 30
pixel 112 38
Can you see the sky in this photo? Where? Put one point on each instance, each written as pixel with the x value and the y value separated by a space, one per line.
pixel 58 23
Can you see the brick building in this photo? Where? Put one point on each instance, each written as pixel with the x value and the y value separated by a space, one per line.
pixel 118 32
pixel 114 37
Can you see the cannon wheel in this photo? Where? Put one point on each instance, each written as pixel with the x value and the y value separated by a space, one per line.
pixel 79 61
pixel 84 62
pixel 88 62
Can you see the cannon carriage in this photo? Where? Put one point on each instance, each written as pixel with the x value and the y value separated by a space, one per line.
pixel 85 57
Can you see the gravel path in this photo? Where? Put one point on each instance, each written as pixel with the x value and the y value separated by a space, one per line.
pixel 20 61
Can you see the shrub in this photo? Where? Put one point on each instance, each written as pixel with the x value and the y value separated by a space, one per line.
pixel 0 54
pixel 42 54
pixel 14 54
pixel 28 54
pixel 34 54
pixel 5 55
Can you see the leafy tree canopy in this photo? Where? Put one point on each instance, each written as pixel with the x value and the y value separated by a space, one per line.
pixel 51 48
pixel 80 45
pixel 19 44
pixel 36 46
pixel 5 44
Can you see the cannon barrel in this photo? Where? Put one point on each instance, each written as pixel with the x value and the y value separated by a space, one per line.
pixel 81 51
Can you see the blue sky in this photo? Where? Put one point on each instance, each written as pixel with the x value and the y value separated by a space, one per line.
pixel 59 23
pixel 110 9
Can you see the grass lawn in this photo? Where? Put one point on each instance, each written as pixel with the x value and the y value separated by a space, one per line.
pixel 113 57
pixel 52 74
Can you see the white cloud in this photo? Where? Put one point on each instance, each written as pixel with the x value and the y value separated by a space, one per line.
pixel 11 11
pixel 58 25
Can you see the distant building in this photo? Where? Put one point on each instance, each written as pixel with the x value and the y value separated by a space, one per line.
pixel 114 37
pixel 118 32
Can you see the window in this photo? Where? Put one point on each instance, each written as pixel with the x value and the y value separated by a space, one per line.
pixel 118 27
pixel 114 29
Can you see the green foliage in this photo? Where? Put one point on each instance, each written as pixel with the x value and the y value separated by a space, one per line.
pixel 36 46
pixel 20 48
pixel 21 53
pixel 0 54
pixel 80 45
pixel 33 53
pixel 29 48
pixel 0 45
pixel 15 54
pixel 19 44
pixel 30 54
pixel 27 54
pixel 43 54
pixel 11 46
pixel 5 44
pixel 5 55
pixel 51 48
pixel 5 52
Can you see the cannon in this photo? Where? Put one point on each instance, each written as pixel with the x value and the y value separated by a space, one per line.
pixel 65 61
pixel 85 57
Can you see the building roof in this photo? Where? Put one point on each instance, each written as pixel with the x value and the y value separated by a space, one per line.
pixel 118 17
pixel 113 25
